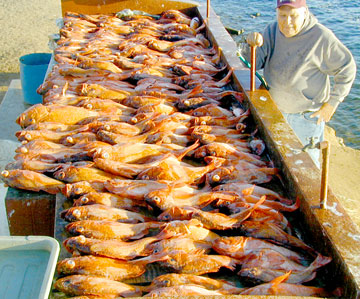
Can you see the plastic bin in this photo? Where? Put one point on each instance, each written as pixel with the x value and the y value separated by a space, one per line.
pixel 27 266
pixel 33 68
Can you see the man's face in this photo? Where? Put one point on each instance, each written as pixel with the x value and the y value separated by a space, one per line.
pixel 291 19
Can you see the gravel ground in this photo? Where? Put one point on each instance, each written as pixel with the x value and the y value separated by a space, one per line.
pixel 26 26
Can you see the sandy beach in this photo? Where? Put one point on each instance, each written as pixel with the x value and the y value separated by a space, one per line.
pixel 25 29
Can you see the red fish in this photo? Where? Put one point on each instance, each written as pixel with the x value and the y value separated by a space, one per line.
pixel 92 285
pixel 196 262
pixel 274 233
pixel 110 248
pixel 102 229
pixel 101 212
pixel 240 247
pixel 31 180
pixel 100 266
pixel 259 274
pixel 279 287
pixel 174 279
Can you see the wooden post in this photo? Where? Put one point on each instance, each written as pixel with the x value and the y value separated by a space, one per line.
pixel 253 68
pixel 325 148
pixel 207 8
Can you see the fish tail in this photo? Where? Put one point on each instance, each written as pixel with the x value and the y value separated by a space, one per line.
pixel 291 208
pixel 233 263
pixel 188 149
pixel 227 77
pixel 319 262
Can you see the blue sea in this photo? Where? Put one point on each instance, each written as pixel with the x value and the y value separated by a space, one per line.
pixel 341 16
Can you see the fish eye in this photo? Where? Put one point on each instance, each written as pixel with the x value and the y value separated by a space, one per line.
pixel 213 153
pixel 216 178
pixel 145 177
pixel 70 263
pixel 5 173
pixel 85 200
pixel 166 217
pixel 67 282
pixel 202 154
pixel 77 213
pixel 61 175
pixel 156 251
pixel 156 198
pixel 24 150
pixel 166 282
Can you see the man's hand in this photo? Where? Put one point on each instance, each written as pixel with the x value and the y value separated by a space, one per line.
pixel 325 113
pixel 255 39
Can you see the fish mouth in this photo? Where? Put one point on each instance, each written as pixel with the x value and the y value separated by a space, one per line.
pixel 154 207
pixel 63 214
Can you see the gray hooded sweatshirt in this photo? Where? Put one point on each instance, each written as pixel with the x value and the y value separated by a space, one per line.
pixel 297 69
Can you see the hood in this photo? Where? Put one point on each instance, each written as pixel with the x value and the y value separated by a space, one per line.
pixel 309 23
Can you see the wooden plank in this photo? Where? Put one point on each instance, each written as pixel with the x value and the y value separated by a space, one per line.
pixel 113 6
pixel 30 213
pixel 330 231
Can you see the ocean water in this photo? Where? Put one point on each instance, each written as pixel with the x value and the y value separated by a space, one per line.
pixel 341 16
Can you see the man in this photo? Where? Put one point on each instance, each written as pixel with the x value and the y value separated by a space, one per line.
pixel 298 56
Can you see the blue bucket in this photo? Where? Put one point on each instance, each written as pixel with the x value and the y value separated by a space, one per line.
pixel 33 68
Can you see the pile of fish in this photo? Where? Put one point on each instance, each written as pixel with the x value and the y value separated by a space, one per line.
pixel 140 129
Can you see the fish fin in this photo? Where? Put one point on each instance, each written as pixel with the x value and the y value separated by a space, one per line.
pixel 248 191
pixel 195 222
pixel 259 203
pixel 280 279
pixel 254 207
pixel 216 161
pixel 196 90
pixel 198 251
